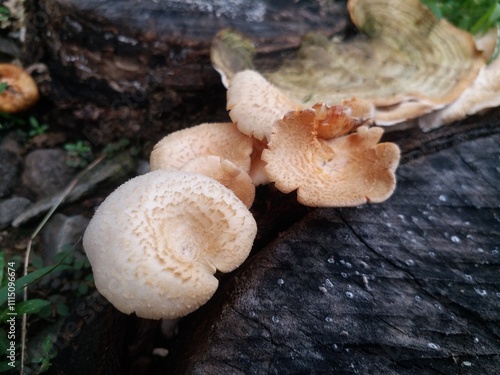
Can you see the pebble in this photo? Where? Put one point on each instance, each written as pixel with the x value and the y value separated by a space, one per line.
pixel 10 208
pixel 46 172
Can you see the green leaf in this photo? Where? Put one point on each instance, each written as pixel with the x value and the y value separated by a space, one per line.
pixel 62 309
pixel 3 86
pixel 4 366
pixel 2 265
pixel 28 279
pixel 31 306
pixel 487 20
pixel 4 342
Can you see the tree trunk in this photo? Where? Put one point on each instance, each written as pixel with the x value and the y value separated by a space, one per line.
pixel 142 68
pixel 409 286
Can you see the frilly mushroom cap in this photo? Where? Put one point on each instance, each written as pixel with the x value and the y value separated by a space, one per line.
pixel 219 139
pixel 257 173
pixel 21 91
pixel 254 104
pixel 346 170
pixel 155 242
pixel 225 172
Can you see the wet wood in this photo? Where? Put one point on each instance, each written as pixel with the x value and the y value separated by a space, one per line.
pixel 409 286
pixel 142 68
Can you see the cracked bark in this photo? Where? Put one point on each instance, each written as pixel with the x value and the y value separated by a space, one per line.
pixel 142 68
pixel 408 286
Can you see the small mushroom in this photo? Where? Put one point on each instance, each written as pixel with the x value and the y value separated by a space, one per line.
pixel 21 91
pixel 254 104
pixel 219 139
pixel 340 170
pixel 156 242
pixel 225 172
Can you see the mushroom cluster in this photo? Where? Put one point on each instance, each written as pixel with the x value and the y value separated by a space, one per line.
pixel 411 66
pixel 162 236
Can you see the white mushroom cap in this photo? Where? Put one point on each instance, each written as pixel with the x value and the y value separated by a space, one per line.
pixel 219 139
pixel 155 242
pixel 228 174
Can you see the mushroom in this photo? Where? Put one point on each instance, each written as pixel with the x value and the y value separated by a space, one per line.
pixel 254 104
pixel 483 94
pixel 21 91
pixel 311 151
pixel 406 62
pixel 156 242
pixel 219 139
pixel 225 172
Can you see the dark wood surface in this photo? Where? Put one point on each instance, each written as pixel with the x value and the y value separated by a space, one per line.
pixel 410 286
pixel 142 68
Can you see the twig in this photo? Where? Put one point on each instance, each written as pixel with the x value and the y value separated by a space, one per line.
pixel 47 216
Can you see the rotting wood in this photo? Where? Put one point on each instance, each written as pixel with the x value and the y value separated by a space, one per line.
pixel 142 69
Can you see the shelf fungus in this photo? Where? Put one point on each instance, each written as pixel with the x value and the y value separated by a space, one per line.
pixel 156 242
pixel 20 91
pixel 405 61
pixel 330 158
pixel 482 95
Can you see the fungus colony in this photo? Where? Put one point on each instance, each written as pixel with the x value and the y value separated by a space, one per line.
pixel 156 242
pixel 189 216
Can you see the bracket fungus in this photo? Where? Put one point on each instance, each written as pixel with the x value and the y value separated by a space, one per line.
pixel 156 242
pixel 483 94
pixel 21 91
pixel 405 61
pixel 312 151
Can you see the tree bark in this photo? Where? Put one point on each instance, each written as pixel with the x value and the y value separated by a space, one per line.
pixel 409 286
pixel 142 68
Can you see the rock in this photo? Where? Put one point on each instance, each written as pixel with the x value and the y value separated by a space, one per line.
pixel 10 208
pixel 108 172
pixel 61 232
pixel 45 172
pixel 9 167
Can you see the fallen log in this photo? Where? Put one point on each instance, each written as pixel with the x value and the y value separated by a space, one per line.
pixel 142 69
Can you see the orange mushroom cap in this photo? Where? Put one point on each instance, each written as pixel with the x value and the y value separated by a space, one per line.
pixel 254 104
pixel 21 91
pixel 342 170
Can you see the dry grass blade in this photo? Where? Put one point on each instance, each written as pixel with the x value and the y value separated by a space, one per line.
pixel 61 199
